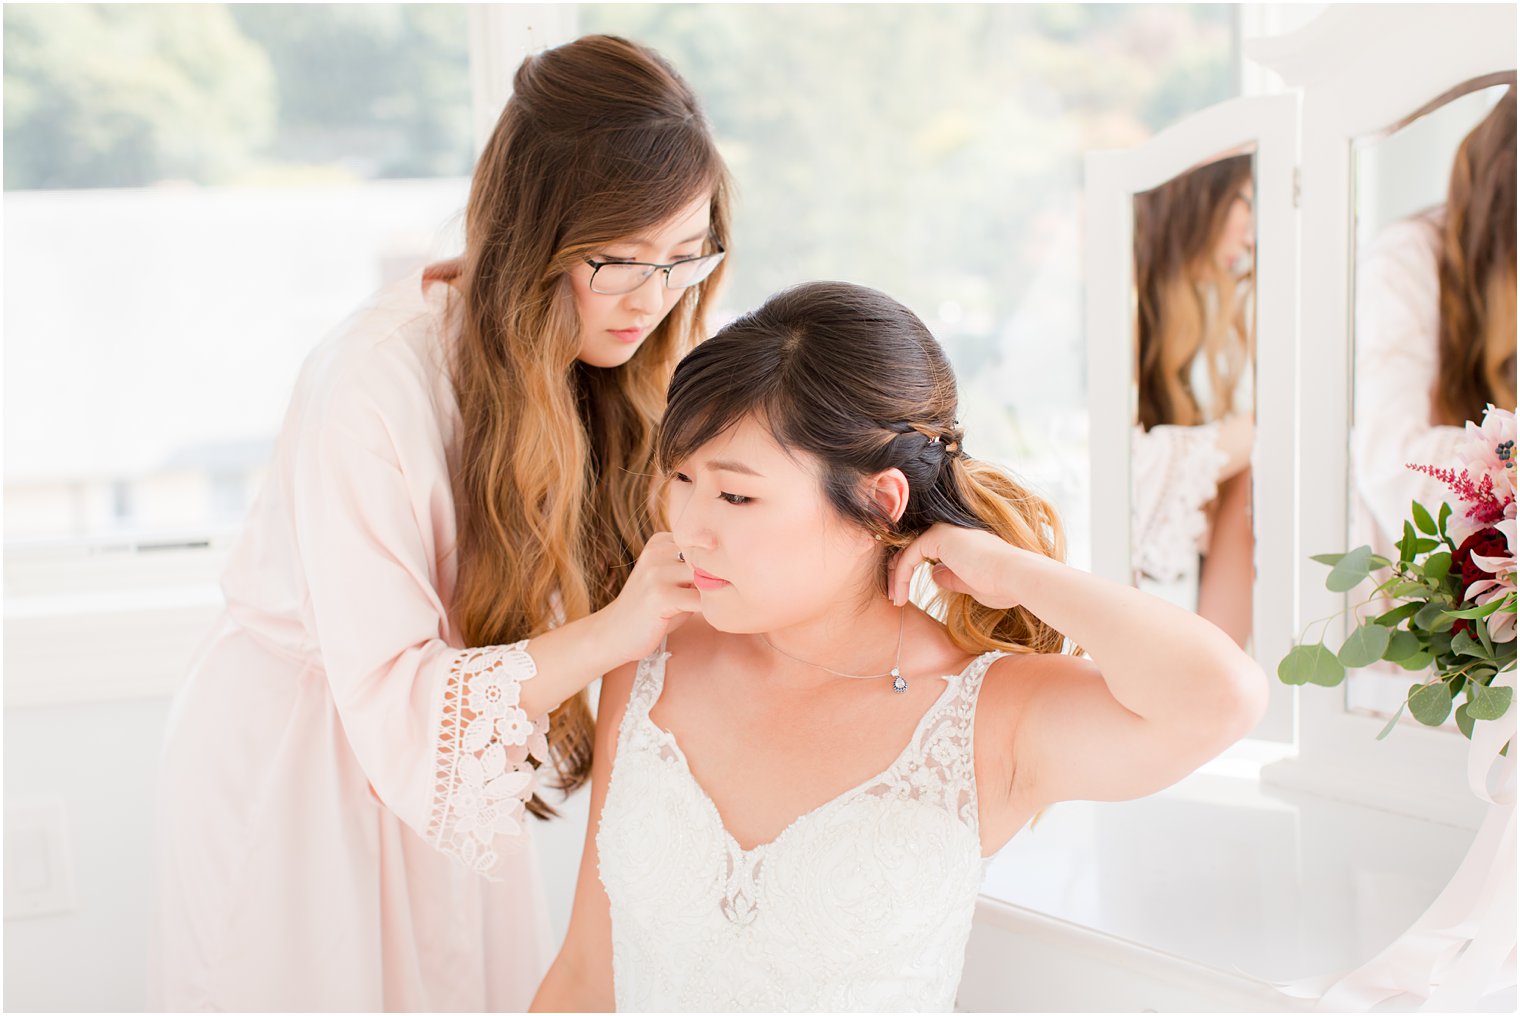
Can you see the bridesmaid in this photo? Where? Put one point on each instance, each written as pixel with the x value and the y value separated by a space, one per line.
pixel 452 544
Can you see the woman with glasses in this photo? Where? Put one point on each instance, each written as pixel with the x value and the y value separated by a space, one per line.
pixel 452 543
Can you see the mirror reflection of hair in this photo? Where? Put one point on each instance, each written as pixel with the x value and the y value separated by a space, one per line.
pixel 1194 285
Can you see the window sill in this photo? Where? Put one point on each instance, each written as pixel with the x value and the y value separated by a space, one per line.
pixel 90 623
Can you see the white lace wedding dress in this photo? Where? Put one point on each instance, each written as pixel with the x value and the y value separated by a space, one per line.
pixel 863 903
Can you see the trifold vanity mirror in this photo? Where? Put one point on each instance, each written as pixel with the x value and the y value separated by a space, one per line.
pixel 1190 276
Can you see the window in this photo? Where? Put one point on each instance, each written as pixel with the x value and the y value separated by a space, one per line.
pixel 194 195
pixel 935 152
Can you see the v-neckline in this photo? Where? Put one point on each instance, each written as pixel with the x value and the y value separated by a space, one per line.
pixel 951 683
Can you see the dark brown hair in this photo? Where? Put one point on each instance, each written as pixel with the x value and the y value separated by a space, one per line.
pixel 1476 269
pixel 852 377
pixel 601 141
pixel 1177 228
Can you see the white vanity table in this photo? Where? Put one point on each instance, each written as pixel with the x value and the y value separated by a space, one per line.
pixel 1201 897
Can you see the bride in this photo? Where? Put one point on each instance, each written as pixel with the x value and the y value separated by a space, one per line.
pixel 794 795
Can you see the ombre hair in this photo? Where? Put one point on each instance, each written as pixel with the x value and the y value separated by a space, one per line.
pixel 1476 269
pixel 600 142
pixel 855 379
pixel 1187 303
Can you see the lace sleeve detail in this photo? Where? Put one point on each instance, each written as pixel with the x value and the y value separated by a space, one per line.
pixel 1175 473
pixel 483 776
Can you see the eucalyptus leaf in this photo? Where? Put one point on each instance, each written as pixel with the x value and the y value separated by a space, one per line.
pixel 1426 616
pixel 1393 720
pixel 1379 561
pixel 1401 646
pixel 1464 644
pixel 1403 589
pixel 1422 518
pixel 1437 565
pixel 1365 646
pixel 1430 703
pixel 1350 570
pixel 1487 640
pixel 1488 703
pixel 1464 721
pixel 1311 665
pixel 1419 661
pixel 1331 559
pixel 1397 614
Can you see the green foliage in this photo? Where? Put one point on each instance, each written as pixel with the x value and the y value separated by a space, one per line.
pixel 126 95
pixel 1365 646
pixel 1430 703
pixel 971 122
pixel 1311 665
pixel 103 95
pixel 1420 634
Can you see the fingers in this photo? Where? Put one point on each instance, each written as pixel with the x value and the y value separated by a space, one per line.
pixel 683 600
pixel 914 554
pixel 948 580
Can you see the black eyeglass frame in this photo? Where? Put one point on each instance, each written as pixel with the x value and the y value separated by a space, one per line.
pixel 596 266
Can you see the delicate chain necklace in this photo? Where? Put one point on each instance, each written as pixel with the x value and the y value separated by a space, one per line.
pixel 899 684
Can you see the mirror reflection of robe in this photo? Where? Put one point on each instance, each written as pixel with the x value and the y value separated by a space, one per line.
pixel 1397 316
pixel 1175 475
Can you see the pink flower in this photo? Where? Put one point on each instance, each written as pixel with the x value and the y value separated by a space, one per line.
pixel 1485 484
pixel 1490 451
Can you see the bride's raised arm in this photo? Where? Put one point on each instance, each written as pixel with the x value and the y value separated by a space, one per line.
pixel 1163 692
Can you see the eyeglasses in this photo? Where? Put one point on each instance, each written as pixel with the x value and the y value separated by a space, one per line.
pixel 617 278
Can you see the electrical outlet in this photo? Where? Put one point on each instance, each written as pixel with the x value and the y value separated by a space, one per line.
pixel 39 867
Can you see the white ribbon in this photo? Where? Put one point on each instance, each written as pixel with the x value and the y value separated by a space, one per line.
pixel 1462 948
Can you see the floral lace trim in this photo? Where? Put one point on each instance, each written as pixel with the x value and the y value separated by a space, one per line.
pixel 483 776
pixel 1176 473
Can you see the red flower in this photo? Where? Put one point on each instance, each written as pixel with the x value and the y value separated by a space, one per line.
pixel 1486 542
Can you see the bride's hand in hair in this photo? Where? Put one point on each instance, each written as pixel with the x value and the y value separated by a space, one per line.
pixel 657 598
pixel 967 561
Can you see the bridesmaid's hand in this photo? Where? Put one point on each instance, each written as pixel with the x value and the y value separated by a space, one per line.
pixel 657 599
pixel 969 561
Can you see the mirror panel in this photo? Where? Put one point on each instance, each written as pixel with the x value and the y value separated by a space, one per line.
pixel 1434 197
pixel 1194 392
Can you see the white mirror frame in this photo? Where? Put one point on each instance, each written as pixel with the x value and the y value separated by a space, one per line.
pixel 1360 70
pixel 1113 179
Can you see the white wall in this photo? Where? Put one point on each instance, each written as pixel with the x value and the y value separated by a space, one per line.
pixel 97 762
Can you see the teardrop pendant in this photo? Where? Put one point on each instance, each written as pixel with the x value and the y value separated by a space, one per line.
pixel 899 685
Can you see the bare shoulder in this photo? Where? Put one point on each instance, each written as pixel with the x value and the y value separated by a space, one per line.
pixel 617 685
pixel 1016 680
pixel 693 640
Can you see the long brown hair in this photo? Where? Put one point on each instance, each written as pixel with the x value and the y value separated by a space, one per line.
pixel 601 141
pixel 853 377
pixel 1177 228
pixel 1476 269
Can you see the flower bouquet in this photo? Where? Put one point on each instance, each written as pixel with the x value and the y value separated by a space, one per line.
pixel 1446 610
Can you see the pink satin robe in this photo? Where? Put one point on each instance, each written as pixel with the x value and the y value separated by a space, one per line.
pixel 332 834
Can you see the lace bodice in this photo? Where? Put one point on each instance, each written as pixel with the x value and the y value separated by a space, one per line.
pixel 1176 473
pixel 863 903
